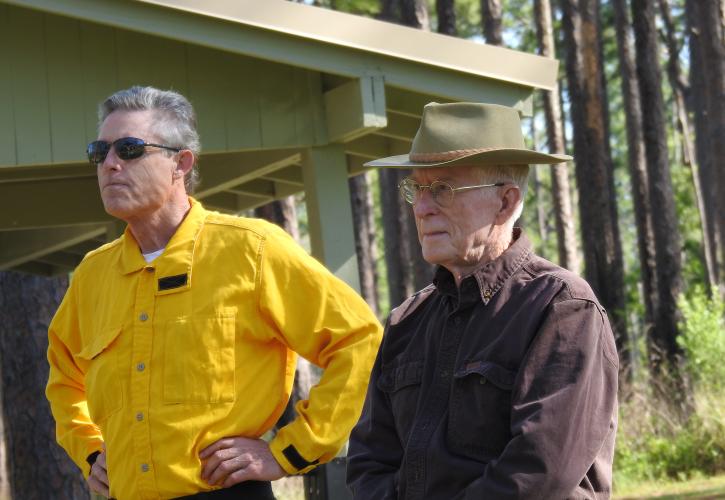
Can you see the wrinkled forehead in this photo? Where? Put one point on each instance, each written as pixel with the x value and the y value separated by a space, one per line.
pixel 122 123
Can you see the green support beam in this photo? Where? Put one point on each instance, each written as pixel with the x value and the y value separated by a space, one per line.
pixel 329 212
pixel 355 108
pixel 20 247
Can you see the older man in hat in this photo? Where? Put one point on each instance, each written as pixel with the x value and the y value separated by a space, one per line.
pixel 498 380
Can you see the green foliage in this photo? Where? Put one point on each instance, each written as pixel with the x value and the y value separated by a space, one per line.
pixel 702 338
pixel 652 446
pixel 653 442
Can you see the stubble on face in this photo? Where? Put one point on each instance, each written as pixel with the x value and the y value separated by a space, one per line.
pixel 132 189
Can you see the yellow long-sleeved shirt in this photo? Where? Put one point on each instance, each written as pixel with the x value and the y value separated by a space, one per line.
pixel 160 360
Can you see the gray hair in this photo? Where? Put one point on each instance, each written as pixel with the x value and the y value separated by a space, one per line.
pixel 514 174
pixel 175 124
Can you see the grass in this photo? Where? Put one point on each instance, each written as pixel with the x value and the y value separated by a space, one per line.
pixel 700 488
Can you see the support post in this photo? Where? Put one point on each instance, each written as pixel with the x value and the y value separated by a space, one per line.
pixel 329 212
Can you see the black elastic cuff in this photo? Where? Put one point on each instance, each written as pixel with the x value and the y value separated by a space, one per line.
pixel 92 458
pixel 297 460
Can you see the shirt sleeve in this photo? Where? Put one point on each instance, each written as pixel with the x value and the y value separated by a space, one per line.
pixel 563 408
pixel 375 453
pixel 65 391
pixel 324 320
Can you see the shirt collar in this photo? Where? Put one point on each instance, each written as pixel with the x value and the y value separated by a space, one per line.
pixel 489 278
pixel 177 258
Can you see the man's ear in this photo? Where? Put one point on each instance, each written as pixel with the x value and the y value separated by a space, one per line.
pixel 184 164
pixel 510 199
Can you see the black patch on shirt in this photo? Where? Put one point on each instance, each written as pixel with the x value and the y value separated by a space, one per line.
pixel 171 282
pixel 296 459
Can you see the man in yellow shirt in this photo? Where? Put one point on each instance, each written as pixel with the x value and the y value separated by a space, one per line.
pixel 175 346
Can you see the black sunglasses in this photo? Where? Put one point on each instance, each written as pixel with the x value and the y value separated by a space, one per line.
pixel 126 148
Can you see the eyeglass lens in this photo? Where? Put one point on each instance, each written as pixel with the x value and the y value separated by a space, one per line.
pixel 441 191
pixel 126 148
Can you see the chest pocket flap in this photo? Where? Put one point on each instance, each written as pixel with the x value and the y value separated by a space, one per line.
pixel 496 374
pixel 401 376
pixel 99 343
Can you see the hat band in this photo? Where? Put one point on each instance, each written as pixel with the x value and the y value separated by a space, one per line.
pixel 447 155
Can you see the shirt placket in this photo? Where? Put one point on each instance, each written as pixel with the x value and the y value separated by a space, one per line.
pixel 435 405
pixel 144 308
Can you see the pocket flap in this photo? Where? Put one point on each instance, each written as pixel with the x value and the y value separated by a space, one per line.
pixel 99 343
pixel 499 376
pixel 400 376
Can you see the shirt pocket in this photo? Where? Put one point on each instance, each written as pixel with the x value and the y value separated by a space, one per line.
pixel 479 424
pixel 401 384
pixel 199 360
pixel 103 387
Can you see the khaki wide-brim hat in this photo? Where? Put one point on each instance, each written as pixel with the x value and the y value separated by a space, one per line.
pixel 468 133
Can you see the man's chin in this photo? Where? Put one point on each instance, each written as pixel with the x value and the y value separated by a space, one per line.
pixel 117 210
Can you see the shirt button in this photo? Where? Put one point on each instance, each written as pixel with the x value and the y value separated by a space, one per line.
pixel 481 380
pixel 143 316
pixel 144 467
pixel 139 416
pixel 140 367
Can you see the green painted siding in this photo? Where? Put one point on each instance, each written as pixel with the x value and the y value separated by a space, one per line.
pixel 57 69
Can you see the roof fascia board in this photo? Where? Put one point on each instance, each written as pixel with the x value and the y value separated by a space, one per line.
pixel 455 81
pixel 370 35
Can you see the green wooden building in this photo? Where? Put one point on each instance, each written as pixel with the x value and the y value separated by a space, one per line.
pixel 289 97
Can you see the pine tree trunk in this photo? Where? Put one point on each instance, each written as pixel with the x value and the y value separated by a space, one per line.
pixel 37 467
pixel 414 13
pixel 491 20
pixel 445 9
pixel 281 212
pixel 560 191
pixel 678 87
pixel 361 200
pixel 707 71
pixel 393 234
pixel 388 11
pixel 604 268
pixel 664 224
pixel 706 164
pixel 407 271
pixel 636 161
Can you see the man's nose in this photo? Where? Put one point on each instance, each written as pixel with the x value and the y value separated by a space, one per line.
pixel 111 161
pixel 424 204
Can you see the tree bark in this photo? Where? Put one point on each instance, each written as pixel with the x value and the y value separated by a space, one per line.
pixel 491 21
pixel 664 224
pixel 679 90
pixel 446 12
pixel 38 468
pixel 636 161
pixel 283 213
pixel 604 268
pixel 400 285
pixel 563 216
pixel 388 11
pixel 365 244
pixel 414 13
pixel 707 71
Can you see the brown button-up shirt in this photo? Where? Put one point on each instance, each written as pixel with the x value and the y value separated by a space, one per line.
pixel 502 388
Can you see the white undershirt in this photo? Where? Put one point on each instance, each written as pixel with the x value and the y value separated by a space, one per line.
pixel 149 257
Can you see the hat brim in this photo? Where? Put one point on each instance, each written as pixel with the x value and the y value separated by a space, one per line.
pixel 507 156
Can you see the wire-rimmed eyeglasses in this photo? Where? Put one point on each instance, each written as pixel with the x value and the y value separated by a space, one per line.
pixel 442 192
